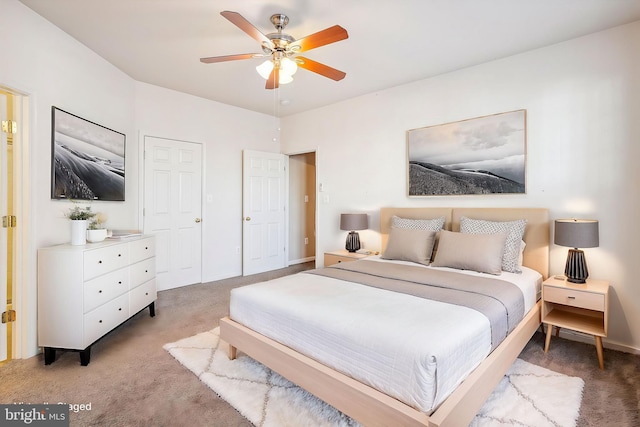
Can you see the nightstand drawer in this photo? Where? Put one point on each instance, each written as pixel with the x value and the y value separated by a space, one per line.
pixel 330 259
pixel 574 298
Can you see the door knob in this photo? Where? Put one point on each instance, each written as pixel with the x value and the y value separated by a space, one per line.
pixel 198 220
pixel 248 218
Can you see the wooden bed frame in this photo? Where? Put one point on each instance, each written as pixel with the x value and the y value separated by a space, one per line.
pixel 373 408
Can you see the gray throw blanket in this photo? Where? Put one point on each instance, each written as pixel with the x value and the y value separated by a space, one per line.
pixel 500 301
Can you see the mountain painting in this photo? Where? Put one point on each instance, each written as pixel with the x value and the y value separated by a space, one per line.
pixel 484 155
pixel 87 159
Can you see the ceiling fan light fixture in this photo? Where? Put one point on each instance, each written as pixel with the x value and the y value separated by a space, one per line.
pixel 287 69
pixel 265 69
pixel 285 78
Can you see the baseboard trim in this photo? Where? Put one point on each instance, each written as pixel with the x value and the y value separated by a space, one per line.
pixel 589 339
pixel 301 260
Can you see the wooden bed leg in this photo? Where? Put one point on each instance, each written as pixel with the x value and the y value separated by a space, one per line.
pixel 232 352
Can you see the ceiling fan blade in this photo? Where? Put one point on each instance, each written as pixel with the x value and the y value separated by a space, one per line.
pixel 212 59
pixel 320 68
pixel 321 38
pixel 273 82
pixel 246 26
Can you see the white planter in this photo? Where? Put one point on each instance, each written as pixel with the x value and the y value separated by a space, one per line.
pixel 98 235
pixel 78 231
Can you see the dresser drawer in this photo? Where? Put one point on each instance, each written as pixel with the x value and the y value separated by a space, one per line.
pixel 142 296
pixel 574 298
pixel 104 318
pixel 142 271
pixel 142 249
pixel 105 288
pixel 104 260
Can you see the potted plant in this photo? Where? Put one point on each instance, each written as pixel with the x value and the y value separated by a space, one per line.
pixel 96 231
pixel 79 216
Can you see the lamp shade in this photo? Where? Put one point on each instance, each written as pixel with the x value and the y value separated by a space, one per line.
pixel 577 233
pixel 354 221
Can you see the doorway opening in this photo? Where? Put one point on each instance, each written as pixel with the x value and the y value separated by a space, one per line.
pixel 302 207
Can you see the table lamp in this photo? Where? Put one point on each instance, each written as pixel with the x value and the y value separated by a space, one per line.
pixel 576 233
pixel 351 222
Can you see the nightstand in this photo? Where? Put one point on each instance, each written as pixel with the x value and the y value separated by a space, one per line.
pixel 579 307
pixel 343 255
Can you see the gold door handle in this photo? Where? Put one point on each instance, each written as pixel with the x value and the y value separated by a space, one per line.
pixel 198 220
pixel 248 218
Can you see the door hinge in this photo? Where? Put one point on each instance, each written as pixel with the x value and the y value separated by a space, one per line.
pixel 9 316
pixel 9 126
pixel 9 221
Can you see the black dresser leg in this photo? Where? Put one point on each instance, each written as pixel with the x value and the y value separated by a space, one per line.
pixel 85 356
pixel 49 355
pixel 152 309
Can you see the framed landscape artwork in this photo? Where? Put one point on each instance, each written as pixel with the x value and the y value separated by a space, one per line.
pixel 87 159
pixel 484 155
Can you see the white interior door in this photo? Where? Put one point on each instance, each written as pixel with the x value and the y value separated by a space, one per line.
pixel 263 206
pixel 173 209
pixel 3 231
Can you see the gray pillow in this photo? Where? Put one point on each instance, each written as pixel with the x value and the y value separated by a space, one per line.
pixel 514 231
pixel 435 224
pixel 410 245
pixel 464 251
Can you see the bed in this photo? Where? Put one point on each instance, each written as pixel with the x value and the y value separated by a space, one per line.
pixel 331 370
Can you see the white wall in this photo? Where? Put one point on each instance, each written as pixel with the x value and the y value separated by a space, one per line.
pixel 583 127
pixel 224 131
pixel 52 68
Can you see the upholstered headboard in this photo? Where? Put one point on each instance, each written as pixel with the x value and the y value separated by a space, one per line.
pixel 536 235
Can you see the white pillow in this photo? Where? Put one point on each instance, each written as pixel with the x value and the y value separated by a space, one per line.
pixel 514 231
pixel 465 251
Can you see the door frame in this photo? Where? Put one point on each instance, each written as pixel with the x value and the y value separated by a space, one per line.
pixel 317 209
pixel 26 308
pixel 141 200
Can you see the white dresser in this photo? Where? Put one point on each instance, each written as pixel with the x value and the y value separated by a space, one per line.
pixel 85 291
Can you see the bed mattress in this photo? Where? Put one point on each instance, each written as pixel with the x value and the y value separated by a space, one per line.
pixel 414 349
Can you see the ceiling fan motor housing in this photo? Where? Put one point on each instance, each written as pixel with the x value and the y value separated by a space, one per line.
pixel 279 20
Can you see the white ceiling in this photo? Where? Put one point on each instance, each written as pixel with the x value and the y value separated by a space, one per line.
pixel 390 42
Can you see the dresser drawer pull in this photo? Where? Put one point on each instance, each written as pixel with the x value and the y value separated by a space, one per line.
pixel 120 282
pixel 146 271
pixel 99 321
pixel 146 247
pixel 100 291
pixel 120 309
pixel 100 262
pixel 570 297
pixel 146 293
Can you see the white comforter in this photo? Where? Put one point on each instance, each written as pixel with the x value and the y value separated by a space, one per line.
pixel 410 348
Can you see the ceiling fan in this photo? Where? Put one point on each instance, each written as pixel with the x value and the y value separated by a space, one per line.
pixel 282 50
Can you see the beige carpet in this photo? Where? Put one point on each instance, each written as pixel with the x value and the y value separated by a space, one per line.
pixel 527 396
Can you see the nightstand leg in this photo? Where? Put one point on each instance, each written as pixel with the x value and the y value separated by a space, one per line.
pixel 548 340
pixel 599 350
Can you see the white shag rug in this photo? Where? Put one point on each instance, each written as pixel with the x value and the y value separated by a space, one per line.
pixel 528 395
